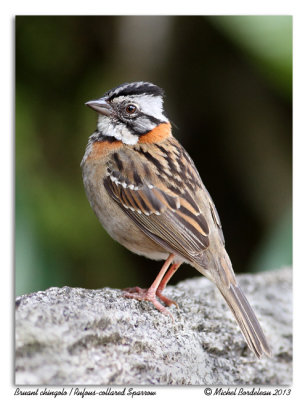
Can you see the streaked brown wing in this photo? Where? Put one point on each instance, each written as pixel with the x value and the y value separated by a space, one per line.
pixel 170 217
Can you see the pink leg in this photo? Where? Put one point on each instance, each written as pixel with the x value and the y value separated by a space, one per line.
pixel 158 285
pixel 163 284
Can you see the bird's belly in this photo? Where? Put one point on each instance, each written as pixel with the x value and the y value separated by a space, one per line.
pixel 123 230
pixel 118 225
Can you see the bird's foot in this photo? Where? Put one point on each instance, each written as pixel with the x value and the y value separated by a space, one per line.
pixel 165 299
pixel 140 294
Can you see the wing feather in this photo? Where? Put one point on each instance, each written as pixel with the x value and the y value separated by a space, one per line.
pixel 166 213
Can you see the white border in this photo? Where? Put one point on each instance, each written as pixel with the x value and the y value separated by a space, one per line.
pixel 105 7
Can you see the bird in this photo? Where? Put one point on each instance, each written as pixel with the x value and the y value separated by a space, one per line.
pixel 148 195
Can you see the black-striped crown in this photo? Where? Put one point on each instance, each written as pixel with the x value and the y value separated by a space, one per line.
pixel 134 88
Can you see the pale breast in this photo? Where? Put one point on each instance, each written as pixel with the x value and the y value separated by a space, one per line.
pixel 118 225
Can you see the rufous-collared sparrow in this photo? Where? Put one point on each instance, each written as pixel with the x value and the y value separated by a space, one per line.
pixel 147 193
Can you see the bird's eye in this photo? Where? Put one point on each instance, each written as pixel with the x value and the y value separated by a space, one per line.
pixel 130 108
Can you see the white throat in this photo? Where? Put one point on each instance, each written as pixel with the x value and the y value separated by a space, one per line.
pixel 120 132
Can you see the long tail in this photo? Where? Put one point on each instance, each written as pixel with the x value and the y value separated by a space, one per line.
pixel 246 319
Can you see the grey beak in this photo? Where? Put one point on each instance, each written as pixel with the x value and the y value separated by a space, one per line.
pixel 101 106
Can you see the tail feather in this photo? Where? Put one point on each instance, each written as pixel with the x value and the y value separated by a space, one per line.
pixel 246 319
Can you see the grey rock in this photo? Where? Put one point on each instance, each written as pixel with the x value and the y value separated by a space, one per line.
pixel 73 336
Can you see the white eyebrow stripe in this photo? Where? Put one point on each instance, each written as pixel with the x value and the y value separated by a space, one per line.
pixel 148 104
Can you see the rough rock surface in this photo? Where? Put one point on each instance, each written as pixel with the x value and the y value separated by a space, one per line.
pixel 77 336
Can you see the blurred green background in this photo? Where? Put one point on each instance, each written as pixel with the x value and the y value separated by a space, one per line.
pixel 228 82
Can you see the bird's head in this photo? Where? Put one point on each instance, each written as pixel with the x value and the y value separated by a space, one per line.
pixel 130 111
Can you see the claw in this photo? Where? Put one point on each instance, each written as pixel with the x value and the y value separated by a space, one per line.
pixel 147 295
pixel 156 289
pixel 166 300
